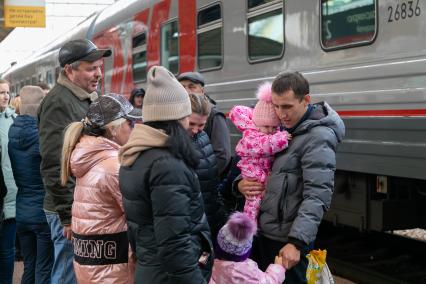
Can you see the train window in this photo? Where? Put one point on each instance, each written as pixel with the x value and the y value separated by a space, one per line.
pixel 255 3
pixel 170 46
pixel 208 15
pixel 209 38
pixel 49 78
pixel 139 40
pixel 346 23
pixel 265 26
pixel 139 57
pixel 139 66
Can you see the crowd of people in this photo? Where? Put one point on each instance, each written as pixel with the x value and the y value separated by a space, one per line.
pixel 101 189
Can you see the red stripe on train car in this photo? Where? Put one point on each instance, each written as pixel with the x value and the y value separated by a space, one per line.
pixel 118 62
pixel 141 22
pixel 187 39
pixel 384 112
pixel 160 14
pixel 389 112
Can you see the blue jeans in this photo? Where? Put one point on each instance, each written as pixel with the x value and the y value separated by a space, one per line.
pixel 7 250
pixel 62 270
pixel 37 251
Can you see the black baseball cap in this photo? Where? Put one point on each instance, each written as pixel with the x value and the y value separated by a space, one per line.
pixel 138 92
pixel 81 49
pixel 111 107
pixel 194 77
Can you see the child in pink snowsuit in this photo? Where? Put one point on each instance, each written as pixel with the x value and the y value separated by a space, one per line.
pixel 232 265
pixel 260 142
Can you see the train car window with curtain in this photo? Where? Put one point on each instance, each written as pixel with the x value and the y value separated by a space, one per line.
pixel 345 23
pixel 255 3
pixel 265 24
pixel 139 57
pixel 209 38
pixel 170 46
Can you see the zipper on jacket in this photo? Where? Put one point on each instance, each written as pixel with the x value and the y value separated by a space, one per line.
pixel 282 204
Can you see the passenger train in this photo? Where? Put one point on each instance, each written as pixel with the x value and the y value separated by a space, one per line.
pixel 367 58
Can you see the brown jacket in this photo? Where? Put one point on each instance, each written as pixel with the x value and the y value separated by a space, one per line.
pixel 64 104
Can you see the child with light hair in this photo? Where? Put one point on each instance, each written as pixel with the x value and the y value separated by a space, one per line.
pixel 15 103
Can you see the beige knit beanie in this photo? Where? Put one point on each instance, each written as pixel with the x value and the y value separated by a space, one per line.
pixel 165 98
pixel 31 97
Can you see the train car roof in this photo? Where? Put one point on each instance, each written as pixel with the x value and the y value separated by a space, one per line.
pixel 78 31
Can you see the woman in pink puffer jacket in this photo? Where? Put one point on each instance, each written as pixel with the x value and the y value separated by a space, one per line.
pixel 90 153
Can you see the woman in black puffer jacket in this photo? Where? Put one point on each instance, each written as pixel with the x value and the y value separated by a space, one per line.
pixel 207 170
pixel 167 227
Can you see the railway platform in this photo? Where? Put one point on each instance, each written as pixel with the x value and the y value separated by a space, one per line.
pixel 19 269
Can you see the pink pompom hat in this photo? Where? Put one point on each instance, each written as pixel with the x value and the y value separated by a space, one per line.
pixel 264 112
pixel 235 238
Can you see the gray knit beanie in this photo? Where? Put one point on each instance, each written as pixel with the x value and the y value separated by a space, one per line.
pixel 165 98
pixel 31 97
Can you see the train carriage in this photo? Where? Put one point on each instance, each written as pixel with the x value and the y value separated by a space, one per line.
pixel 364 57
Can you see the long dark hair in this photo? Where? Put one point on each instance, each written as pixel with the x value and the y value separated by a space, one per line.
pixel 179 143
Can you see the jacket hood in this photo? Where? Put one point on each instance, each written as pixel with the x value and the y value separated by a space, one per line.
pixel 23 133
pixel 142 138
pixel 323 115
pixel 8 112
pixel 91 151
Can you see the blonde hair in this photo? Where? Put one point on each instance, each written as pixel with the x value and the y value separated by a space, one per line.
pixel 72 135
pixel 200 104
pixel 3 81
pixel 15 103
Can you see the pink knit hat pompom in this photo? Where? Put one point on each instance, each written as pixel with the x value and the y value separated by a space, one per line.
pixel 241 226
pixel 264 92
pixel 264 111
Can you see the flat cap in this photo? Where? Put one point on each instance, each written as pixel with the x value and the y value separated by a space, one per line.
pixel 81 49
pixel 111 107
pixel 194 77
